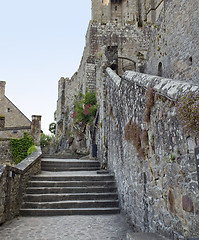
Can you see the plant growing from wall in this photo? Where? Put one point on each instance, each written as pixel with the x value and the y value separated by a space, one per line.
pixel 85 108
pixel 20 146
pixel 188 111
pixel 31 150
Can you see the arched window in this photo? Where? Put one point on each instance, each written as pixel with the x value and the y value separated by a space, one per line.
pixel 160 69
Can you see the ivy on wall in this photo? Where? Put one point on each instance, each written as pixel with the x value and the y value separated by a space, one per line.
pixel 20 147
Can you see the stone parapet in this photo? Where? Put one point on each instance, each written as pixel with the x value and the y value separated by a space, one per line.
pixel 13 182
pixel 153 160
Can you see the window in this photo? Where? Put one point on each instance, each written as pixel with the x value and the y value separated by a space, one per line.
pixel 115 8
pixel 2 121
pixel 160 69
pixel 8 109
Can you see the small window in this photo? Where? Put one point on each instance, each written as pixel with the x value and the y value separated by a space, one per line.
pixel 160 69
pixel 115 8
pixel 2 121
pixel 8 109
pixel 14 131
pixel 190 61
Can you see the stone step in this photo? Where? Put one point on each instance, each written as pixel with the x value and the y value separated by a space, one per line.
pixel 56 165
pixel 70 183
pixel 63 212
pixel 72 178
pixel 144 236
pixel 70 162
pixel 64 197
pixel 46 190
pixel 60 169
pixel 71 204
pixel 70 186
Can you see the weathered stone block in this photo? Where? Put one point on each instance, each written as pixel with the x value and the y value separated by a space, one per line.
pixel 187 204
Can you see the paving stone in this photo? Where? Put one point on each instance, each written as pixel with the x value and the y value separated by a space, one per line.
pixel 100 227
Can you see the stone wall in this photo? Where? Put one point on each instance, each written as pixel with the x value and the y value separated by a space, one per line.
pixel 14 132
pixel 151 155
pixel 173 51
pixel 13 182
pixel 5 156
pixel 106 45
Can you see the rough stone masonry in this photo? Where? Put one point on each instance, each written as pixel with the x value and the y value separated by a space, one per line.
pixel 156 173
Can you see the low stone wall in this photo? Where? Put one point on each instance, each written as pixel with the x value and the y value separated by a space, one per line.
pixel 13 182
pixel 5 152
pixel 153 159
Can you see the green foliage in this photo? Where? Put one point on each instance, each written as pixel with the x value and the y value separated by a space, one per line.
pixel 45 140
pixel 188 111
pixel 85 108
pixel 31 150
pixel 20 146
pixel 52 128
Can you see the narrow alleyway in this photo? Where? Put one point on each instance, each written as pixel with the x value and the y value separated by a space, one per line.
pixel 98 227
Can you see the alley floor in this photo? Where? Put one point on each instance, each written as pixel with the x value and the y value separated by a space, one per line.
pixel 98 227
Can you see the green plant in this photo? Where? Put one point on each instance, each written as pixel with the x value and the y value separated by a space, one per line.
pixel 45 140
pixel 52 128
pixel 31 150
pixel 20 146
pixel 85 108
pixel 172 157
pixel 188 111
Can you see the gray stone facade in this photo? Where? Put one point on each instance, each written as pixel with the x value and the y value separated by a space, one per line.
pixel 155 166
pixel 174 42
pixel 12 120
pixel 157 181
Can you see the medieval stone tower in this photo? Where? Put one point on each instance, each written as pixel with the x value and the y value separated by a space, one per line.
pixel 126 11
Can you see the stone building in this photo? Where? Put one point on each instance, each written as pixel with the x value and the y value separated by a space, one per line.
pixel 12 121
pixel 146 44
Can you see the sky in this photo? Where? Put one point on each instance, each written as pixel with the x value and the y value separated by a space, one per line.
pixel 40 42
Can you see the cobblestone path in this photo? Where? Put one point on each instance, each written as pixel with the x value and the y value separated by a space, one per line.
pixel 100 227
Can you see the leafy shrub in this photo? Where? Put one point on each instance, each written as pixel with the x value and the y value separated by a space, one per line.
pixel 31 150
pixel 20 146
pixel 45 140
pixel 188 111
pixel 85 108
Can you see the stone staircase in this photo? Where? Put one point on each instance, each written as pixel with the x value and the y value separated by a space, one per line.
pixel 70 187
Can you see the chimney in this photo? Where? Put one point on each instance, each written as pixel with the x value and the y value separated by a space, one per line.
pixel 36 129
pixel 2 89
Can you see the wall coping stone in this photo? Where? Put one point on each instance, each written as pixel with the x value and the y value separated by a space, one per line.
pixel 114 76
pixel 170 88
pixel 29 161
pixel 24 165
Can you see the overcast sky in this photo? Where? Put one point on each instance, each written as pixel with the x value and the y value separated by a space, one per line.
pixel 40 42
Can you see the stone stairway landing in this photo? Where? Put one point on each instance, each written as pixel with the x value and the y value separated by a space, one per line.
pixel 70 187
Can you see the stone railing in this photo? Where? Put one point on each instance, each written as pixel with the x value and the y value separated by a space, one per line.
pixel 153 159
pixel 13 182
